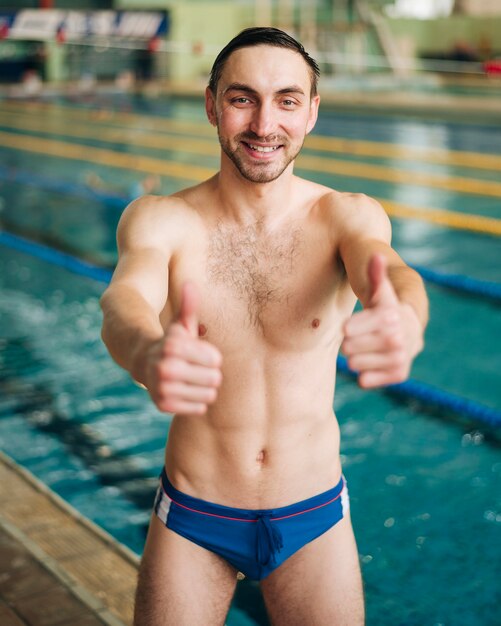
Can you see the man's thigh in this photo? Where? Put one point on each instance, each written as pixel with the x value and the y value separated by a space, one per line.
pixel 320 585
pixel 181 583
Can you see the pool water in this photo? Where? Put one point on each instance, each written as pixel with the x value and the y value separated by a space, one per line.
pixel 424 485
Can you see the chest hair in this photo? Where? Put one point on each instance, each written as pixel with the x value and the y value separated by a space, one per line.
pixel 253 264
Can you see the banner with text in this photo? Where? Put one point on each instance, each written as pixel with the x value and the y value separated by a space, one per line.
pixel 47 24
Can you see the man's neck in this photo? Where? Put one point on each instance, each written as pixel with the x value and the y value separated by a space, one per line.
pixel 247 202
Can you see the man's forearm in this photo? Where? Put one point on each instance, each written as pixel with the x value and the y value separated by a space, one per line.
pixel 130 326
pixel 409 288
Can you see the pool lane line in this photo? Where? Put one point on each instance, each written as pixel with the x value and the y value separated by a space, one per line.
pixel 119 135
pixel 322 143
pixel 457 282
pixel 356 169
pixel 353 169
pixel 202 128
pixel 55 257
pixel 105 156
pixel 368 171
pixel 188 172
pixel 111 200
pixel 119 119
pixel 411 388
pixel 442 217
pixel 210 146
pixel 359 147
pixel 430 395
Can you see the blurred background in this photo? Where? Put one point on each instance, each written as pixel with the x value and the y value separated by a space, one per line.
pixel 101 102
pixel 357 42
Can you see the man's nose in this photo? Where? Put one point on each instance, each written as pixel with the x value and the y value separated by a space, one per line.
pixel 264 120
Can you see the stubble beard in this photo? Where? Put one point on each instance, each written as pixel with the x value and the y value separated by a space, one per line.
pixel 264 172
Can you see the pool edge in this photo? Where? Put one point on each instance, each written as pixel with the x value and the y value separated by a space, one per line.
pixel 85 559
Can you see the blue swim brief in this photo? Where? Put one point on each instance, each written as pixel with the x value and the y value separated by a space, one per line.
pixel 257 541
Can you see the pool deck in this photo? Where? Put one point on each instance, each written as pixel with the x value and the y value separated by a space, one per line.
pixel 57 567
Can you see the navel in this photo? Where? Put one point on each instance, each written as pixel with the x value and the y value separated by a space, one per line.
pixel 202 330
pixel 315 323
pixel 261 456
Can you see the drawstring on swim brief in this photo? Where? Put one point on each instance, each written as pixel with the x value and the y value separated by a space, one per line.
pixel 269 539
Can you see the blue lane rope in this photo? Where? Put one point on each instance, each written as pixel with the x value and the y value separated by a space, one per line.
pixel 437 397
pixel 457 282
pixel 489 289
pixel 14 175
pixel 411 388
pixel 61 259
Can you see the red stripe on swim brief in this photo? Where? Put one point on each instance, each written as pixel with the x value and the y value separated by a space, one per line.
pixel 239 519
pixel 275 519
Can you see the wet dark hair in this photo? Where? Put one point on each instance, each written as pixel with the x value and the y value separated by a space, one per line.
pixel 259 36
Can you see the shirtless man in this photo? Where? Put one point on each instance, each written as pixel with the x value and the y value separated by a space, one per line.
pixel 230 303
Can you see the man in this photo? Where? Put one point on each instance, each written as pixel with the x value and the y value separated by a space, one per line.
pixel 229 303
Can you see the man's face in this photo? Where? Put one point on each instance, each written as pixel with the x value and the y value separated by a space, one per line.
pixel 263 110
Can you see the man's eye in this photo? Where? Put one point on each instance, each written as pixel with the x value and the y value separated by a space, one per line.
pixel 289 103
pixel 241 100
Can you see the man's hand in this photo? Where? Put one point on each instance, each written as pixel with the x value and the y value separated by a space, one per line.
pixel 183 372
pixel 382 340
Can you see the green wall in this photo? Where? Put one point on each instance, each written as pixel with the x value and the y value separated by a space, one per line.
pixel 204 26
pixel 441 34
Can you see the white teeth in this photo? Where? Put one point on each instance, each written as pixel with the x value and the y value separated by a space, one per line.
pixel 263 148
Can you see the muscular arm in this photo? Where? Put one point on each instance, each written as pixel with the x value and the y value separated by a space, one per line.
pixel 381 341
pixel 139 288
pixel 367 233
pixel 180 371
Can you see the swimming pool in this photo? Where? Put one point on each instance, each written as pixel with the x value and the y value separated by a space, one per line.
pixel 424 483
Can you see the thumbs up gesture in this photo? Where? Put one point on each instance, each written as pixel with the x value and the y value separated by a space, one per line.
pixel 183 372
pixel 382 340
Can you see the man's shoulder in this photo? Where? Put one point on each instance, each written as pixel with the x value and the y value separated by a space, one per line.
pixel 163 208
pixel 333 200
pixel 158 213
pixel 354 209
pixel 349 201
pixel 156 221
pixel 353 214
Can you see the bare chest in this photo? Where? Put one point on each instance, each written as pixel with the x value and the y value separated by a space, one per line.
pixel 256 272
pixel 281 287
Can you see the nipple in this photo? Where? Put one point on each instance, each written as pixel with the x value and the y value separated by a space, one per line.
pixel 202 330
pixel 315 323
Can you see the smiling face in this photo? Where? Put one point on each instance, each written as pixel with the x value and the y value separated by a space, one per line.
pixel 262 110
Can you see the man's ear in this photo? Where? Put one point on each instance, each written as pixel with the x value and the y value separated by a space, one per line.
pixel 210 106
pixel 312 120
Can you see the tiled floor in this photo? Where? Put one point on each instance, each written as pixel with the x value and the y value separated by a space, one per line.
pixel 31 594
pixel 56 568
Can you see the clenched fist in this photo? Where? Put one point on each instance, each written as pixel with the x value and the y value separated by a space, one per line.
pixel 382 340
pixel 182 371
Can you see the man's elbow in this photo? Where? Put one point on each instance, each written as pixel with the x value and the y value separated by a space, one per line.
pixel 105 333
pixel 106 323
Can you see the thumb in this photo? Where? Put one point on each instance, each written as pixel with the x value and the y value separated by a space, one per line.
pixel 381 289
pixel 188 312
